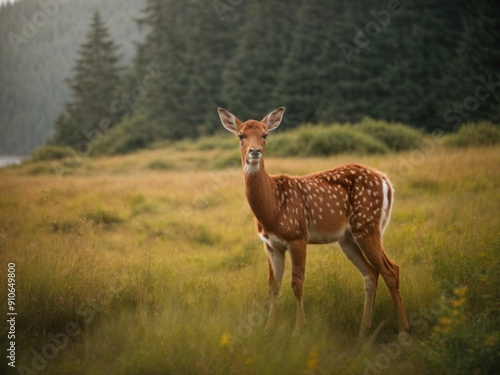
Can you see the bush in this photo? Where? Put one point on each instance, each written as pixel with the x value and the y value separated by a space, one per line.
pixel 230 160
pixel 51 152
pixel 324 141
pixel 133 133
pixel 284 144
pixel 396 136
pixel 217 142
pixel 161 165
pixel 102 216
pixel 483 133
pixel 366 137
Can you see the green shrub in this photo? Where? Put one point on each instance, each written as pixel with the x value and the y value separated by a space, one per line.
pixel 284 144
pixel 63 159
pixel 51 152
pixel 43 168
pixel 222 142
pixel 367 137
pixel 396 136
pixel 483 133
pixel 102 216
pixel 133 133
pixel 138 205
pixel 339 139
pixel 231 160
pixel 161 165
pixel 324 141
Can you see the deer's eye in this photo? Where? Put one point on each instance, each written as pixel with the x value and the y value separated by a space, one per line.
pixel 241 137
pixel 264 136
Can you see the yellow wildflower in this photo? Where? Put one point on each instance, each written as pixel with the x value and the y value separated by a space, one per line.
pixel 249 361
pixel 458 302
pixel 312 363
pixel 224 340
pixel 461 292
pixel 314 352
pixel 445 321
pixel 490 340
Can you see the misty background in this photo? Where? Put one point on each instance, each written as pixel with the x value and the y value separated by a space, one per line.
pixel 429 64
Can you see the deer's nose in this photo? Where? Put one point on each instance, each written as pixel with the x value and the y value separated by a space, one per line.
pixel 255 152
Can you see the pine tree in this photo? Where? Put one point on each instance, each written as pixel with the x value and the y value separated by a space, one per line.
pixel 301 81
pixel 189 43
pixel 164 49
pixel 414 83
pixel 96 76
pixel 348 73
pixel 253 72
pixel 154 18
pixel 477 64
pixel 210 45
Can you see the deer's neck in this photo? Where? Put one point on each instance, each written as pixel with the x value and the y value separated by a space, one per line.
pixel 260 190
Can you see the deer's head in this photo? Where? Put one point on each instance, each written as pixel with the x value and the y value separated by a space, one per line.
pixel 252 135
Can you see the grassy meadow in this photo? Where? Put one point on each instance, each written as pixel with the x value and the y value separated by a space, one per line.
pixel 149 263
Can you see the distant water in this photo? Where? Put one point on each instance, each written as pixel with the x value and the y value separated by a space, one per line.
pixel 5 161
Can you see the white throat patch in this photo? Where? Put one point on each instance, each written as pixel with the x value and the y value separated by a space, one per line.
pixel 251 168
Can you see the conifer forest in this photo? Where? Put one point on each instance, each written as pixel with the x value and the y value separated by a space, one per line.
pixel 72 70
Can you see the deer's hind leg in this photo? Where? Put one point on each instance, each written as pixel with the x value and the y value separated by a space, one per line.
pixel 370 275
pixel 372 248
pixel 298 257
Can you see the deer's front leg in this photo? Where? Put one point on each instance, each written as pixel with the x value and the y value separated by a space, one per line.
pixel 298 255
pixel 276 260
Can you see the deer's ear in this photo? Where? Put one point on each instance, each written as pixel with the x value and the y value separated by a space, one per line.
pixel 273 119
pixel 229 120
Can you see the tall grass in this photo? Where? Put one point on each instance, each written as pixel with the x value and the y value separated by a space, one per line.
pixel 161 271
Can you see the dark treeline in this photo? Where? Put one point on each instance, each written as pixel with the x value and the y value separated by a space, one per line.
pixel 412 62
pixel 432 64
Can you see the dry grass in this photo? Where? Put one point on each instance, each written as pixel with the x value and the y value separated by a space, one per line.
pixel 153 257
